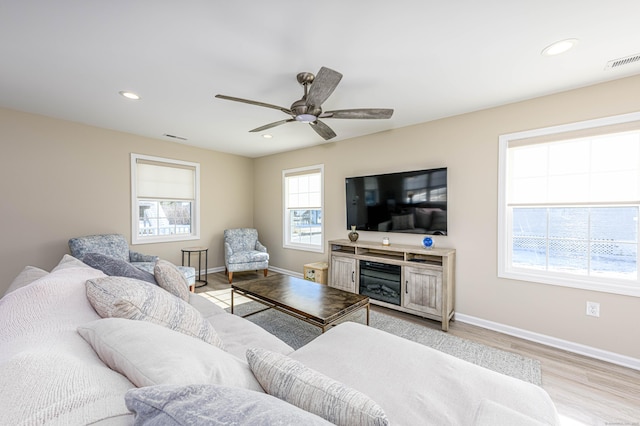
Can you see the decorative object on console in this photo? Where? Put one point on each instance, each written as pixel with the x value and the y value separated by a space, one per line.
pixel 353 235
pixel 385 241
pixel 427 242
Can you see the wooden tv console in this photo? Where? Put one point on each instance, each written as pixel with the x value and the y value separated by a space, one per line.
pixel 427 275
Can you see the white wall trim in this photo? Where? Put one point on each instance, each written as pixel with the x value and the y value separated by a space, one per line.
pixel 612 357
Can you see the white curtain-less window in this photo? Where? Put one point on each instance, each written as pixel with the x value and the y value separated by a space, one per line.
pixel 303 196
pixel 164 199
pixel 569 205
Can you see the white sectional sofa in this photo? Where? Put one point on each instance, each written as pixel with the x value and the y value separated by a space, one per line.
pixel 62 363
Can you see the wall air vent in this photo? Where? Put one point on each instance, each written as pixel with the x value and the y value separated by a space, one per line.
pixel 615 63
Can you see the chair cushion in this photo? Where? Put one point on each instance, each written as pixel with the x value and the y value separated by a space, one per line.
pixel 248 256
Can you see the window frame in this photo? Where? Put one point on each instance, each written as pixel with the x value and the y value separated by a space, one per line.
pixel 286 237
pixel 135 210
pixel 598 126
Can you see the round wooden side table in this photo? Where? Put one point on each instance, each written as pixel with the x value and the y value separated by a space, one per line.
pixel 188 251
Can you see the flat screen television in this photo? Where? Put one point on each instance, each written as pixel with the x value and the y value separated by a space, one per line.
pixel 408 202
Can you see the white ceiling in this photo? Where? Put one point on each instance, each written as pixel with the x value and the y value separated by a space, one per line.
pixel 426 59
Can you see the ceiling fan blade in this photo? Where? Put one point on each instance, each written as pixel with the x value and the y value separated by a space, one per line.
pixel 270 125
pixel 323 130
pixel 362 113
pixel 323 86
pixel 250 102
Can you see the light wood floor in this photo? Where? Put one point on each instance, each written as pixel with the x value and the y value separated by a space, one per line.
pixel 586 391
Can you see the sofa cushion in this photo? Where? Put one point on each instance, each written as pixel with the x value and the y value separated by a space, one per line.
pixel 303 387
pixel 171 279
pixel 116 267
pixel 129 298
pixel 168 357
pixel 410 380
pixel 213 405
pixel 55 377
pixel 490 413
pixel 28 275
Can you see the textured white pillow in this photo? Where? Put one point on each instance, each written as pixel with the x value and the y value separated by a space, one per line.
pixel 68 261
pixel 312 391
pixel 171 279
pixel 148 355
pixel 122 297
pixel 28 275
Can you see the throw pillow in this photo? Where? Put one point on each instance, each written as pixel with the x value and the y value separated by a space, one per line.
pixel 148 354
pixel 28 275
pixel 171 279
pixel 129 298
pixel 116 267
pixel 312 391
pixel 404 221
pixel 213 405
pixel 68 261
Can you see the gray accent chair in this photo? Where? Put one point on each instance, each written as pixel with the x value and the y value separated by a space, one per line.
pixel 243 252
pixel 116 246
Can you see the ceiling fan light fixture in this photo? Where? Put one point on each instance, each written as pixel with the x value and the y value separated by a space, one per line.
pixel 306 118
pixel 559 47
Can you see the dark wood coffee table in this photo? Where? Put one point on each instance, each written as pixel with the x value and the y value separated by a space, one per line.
pixel 314 303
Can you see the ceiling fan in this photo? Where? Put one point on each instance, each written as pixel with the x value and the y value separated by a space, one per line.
pixel 317 89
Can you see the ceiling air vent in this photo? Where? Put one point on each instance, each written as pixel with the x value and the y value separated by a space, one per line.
pixel 622 61
pixel 175 137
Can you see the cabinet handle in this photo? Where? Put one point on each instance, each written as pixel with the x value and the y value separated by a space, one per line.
pixel 353 276
pixel 406 287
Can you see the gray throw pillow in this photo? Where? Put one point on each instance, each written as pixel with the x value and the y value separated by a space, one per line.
pixel 293 382
pixel 116 267
pixel 120 297
pixel 171 279
pixel 213 405
pixel 404 221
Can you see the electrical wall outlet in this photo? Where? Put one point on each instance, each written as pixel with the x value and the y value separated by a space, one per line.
pixel 593 309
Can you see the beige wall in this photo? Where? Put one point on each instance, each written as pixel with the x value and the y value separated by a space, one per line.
pixel 468 146
pixel 60 179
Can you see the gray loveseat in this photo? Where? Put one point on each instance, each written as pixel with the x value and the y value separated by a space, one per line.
pixel 61 363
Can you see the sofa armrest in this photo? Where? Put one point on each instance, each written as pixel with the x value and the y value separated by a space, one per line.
pixel 260 247
pixel 134 256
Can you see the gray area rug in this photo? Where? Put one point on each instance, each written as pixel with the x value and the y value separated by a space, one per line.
pixel 297 333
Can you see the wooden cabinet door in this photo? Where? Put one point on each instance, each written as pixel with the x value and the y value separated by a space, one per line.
pixel 343 273
pixel 423 290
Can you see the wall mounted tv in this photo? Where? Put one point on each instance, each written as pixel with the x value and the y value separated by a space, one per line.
pixel 409 202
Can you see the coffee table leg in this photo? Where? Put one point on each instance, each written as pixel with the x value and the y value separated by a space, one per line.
pixel 367 313
pixel 232 300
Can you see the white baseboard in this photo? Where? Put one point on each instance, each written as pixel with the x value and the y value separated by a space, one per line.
pixel 612 357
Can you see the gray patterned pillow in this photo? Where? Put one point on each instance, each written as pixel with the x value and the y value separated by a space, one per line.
pixel 312 391
pixel 116 267
pixel 213 405
pixel 120 297
pixel 171 279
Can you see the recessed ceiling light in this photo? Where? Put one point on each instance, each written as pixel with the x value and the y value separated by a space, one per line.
pixel 267 136
pixel 129 95
pixel 559 47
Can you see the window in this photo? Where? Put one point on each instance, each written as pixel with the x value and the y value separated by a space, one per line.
pixel 569 204
pixel 303 208
pixel 164 200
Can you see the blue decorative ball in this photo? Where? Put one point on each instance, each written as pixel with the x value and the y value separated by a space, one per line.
pixel 427 242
